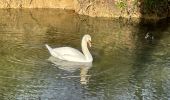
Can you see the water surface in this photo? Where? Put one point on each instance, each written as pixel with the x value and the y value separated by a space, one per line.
pixel 126 66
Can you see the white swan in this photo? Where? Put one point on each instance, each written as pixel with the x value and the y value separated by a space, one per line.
pixel 71 54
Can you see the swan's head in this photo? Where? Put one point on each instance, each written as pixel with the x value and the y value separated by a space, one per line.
pixel 87 38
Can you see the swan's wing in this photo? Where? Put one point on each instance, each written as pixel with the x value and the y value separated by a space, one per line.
pixel 69 54
pixel 68 51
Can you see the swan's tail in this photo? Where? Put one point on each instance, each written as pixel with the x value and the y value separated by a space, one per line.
pixel 49 48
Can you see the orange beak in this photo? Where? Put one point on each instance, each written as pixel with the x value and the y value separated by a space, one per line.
pixel 89 42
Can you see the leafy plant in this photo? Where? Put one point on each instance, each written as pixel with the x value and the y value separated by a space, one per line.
pixel 122 4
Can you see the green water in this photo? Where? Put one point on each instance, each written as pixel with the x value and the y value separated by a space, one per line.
pixel 126 66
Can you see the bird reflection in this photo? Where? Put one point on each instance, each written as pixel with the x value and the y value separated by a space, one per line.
pixel 72 67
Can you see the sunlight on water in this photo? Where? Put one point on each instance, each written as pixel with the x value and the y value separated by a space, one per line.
pixel 127 66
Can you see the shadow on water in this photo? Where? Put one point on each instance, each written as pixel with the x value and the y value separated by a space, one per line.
pixel 144 58
pixel 148 45
pixel 150 33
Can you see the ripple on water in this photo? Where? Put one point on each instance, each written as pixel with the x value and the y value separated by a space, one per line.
pixel 24 55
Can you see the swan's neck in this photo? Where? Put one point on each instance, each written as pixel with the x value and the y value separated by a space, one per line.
pixel 85 51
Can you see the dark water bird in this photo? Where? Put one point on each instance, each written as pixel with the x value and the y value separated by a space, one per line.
pixel 149 36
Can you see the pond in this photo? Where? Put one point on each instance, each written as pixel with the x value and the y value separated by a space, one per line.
pixel 127 64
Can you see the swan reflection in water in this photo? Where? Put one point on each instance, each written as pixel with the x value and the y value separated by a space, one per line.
pixel 72 67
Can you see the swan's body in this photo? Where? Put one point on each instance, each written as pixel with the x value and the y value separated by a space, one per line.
pixel 71 54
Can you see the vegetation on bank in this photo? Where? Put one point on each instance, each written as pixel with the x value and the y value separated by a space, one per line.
pixel 159 8
pixel 99 8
